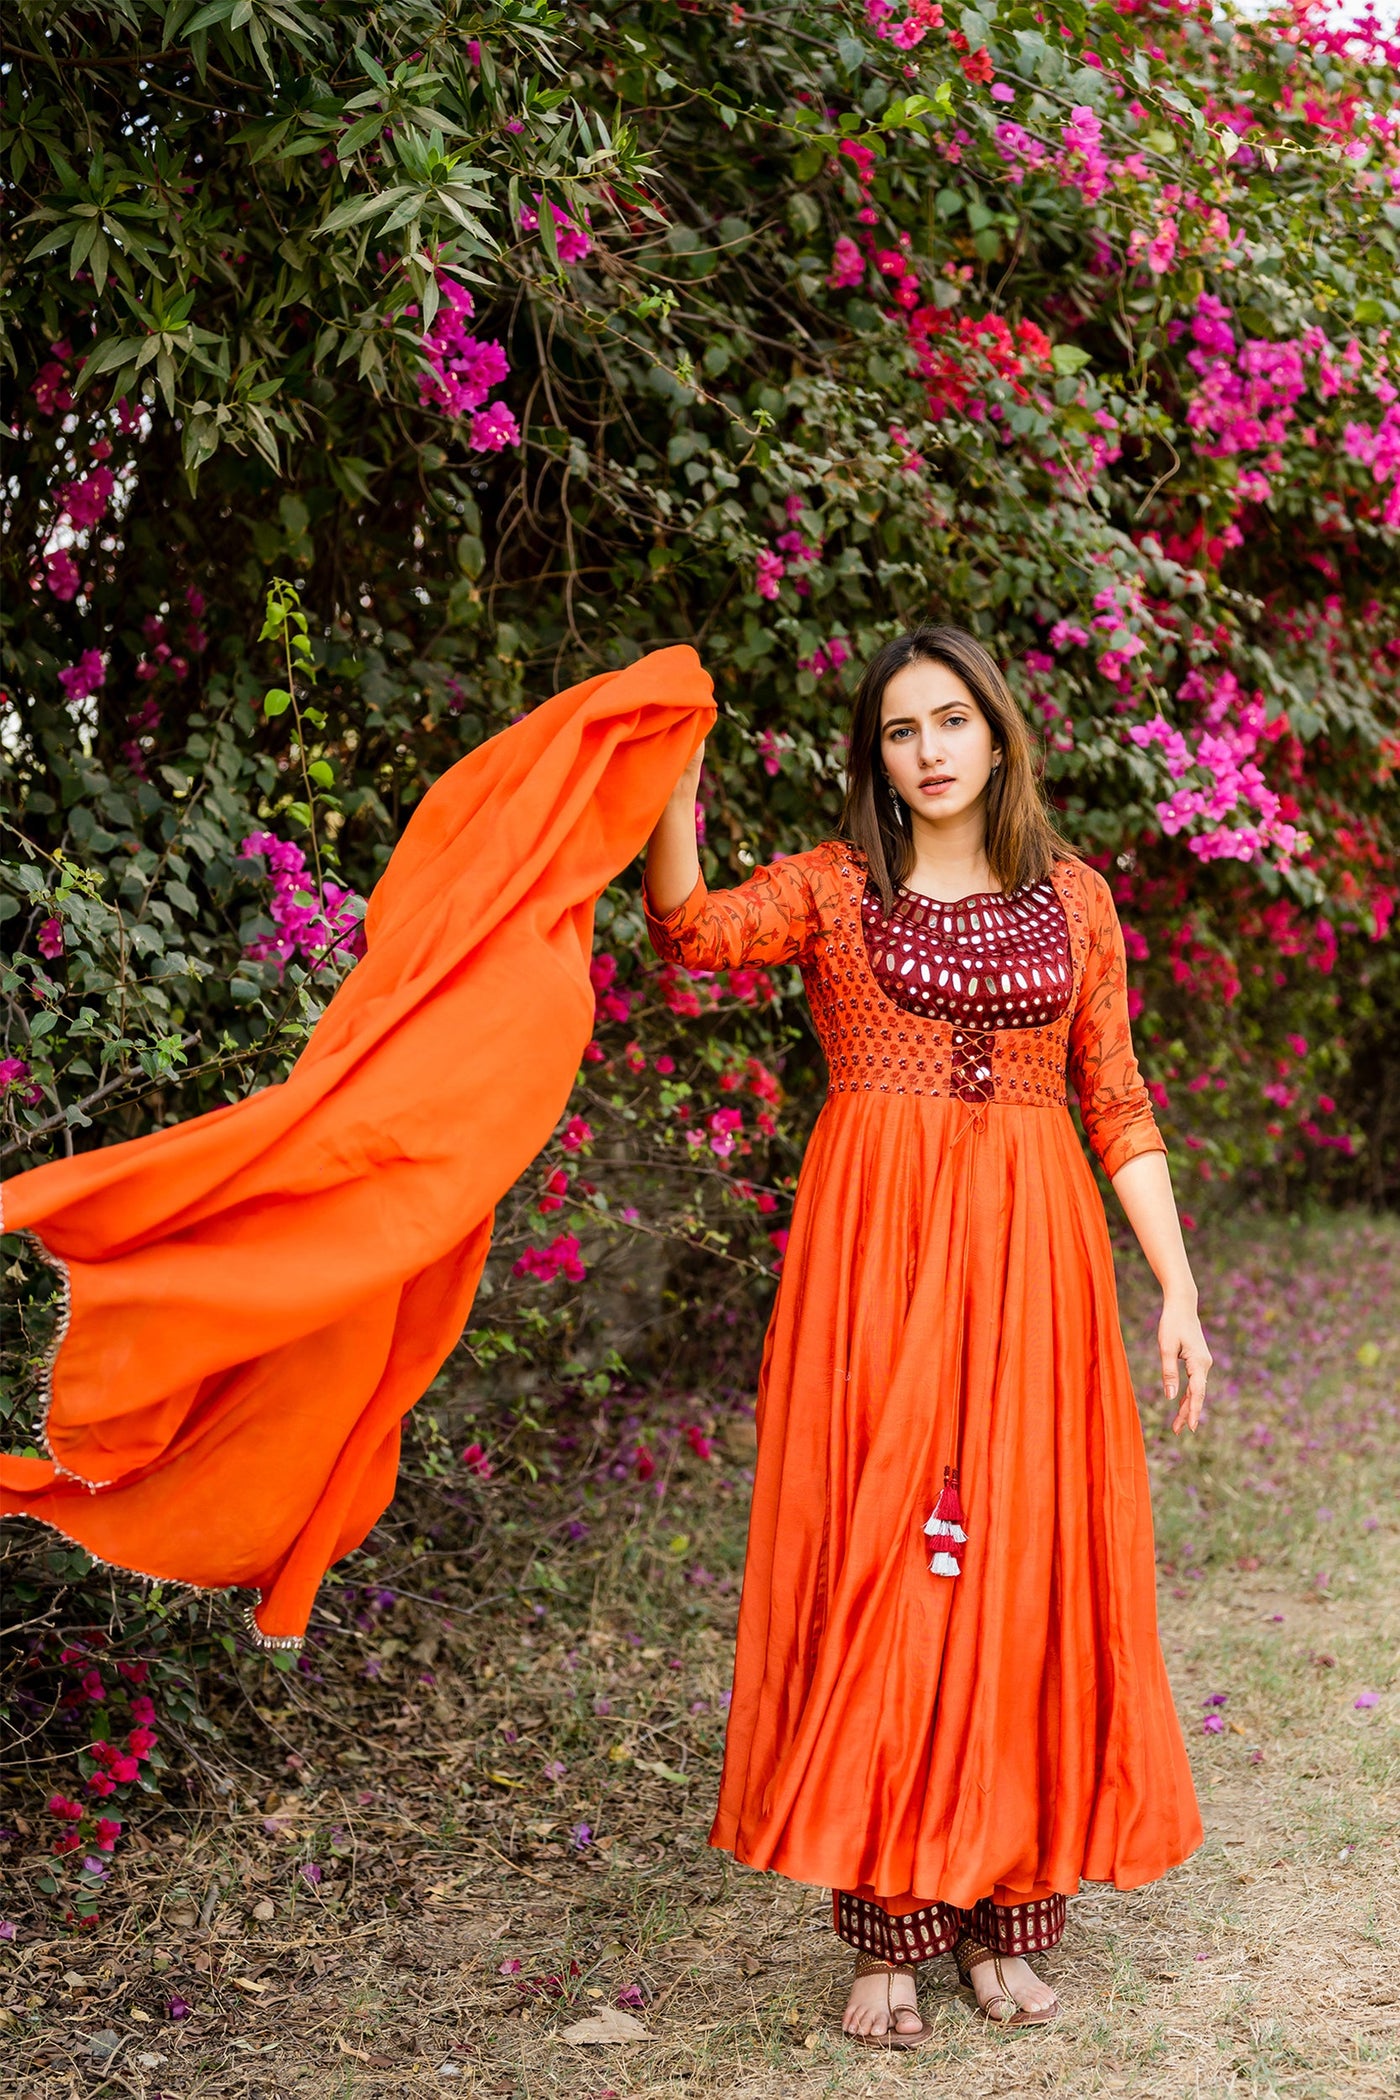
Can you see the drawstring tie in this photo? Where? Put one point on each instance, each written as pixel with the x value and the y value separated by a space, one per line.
pixel 946 1526
pixel 975 1119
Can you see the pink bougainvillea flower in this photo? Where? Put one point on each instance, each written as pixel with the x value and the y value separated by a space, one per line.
pixel 13 1073
pixel 476 1461
pixel 555 1771
pixel 576 1134
pixel 61 575
pixel 85 502
pixel 300 926
pixel 509 1967
pixel 50 939
pixel 1365 1699
pixel 847 265
pixel 177 2008
pixel 67 1811
pixel 769 570
pixel 493 428
pixel 84 679
pixel 560 1258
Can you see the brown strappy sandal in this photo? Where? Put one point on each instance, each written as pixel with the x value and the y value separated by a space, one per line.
pixel 869 1965
pixel 970 1954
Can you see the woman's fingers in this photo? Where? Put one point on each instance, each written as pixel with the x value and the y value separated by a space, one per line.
pixel 1171 1351
pixel 1198 1362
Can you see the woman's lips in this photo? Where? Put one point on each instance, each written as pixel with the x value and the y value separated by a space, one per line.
pixel 934 787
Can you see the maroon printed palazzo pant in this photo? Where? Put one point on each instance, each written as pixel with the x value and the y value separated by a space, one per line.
pixel 917 1935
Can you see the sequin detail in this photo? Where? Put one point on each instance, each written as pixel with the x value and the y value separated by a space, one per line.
pixel 810 909
pixel 985 962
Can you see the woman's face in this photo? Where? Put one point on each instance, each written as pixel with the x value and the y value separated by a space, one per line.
pixel 935 741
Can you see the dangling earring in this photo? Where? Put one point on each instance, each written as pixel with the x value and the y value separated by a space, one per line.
pixel 898 800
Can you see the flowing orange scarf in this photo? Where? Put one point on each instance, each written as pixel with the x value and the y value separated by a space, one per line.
pixel 257 1297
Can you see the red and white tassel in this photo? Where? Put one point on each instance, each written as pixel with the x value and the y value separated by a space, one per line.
pixel 946 1526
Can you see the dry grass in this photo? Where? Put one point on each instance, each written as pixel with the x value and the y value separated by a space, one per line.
pixel 1262 1966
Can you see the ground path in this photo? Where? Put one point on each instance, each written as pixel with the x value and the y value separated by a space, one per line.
pixel 1265 1965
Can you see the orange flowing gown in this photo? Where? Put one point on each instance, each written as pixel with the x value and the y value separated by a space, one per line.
pixel 910 1737
pixel 256 1297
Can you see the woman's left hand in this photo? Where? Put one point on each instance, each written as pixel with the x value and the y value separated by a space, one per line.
pixel 1179 1336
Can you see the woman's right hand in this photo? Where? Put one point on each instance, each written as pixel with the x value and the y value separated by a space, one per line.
pixel 688 786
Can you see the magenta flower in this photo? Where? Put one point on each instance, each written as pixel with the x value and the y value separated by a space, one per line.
pixel 493 429
pixel 50 940
pixel 86 501
pixel 847 265
pixel 1365 1699
pixel 769 570
pixel 84 679
pixel 61 573
pixel 177 2009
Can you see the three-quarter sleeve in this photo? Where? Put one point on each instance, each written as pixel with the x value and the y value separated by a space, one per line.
pixel 770 919
pixel 1113 1096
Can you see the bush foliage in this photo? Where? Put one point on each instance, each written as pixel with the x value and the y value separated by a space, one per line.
pixel 374 372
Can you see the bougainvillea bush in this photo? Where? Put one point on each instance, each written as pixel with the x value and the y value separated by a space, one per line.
pixel 372 373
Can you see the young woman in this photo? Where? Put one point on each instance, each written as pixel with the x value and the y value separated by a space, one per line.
pixel 950 1702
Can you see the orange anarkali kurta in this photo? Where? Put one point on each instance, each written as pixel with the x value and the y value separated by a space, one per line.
pixel 912 1737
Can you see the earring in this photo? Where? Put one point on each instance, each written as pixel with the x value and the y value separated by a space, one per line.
pixel 897 800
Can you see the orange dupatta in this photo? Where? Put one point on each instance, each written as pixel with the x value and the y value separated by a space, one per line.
pixel 258 1296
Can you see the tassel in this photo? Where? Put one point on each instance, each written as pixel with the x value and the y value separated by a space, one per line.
pixel 945 1527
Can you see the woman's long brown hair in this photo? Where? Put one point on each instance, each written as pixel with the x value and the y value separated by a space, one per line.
pixel 1022 841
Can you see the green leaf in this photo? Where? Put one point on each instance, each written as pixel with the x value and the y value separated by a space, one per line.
pixel 1068 358
pixel 321 773
pixel 276 701
pixel 357 209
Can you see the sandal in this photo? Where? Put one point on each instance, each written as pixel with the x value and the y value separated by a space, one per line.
pixel 970 1954
pixel 869 1965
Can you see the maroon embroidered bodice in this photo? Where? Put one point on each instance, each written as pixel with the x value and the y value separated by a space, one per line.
pixel 998 1040
pixel 985 962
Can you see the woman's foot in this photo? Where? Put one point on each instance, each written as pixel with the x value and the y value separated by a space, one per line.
pixel 1026 1988
pixel 868 2009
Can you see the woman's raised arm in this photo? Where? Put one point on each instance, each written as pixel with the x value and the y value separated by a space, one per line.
pixel 767 920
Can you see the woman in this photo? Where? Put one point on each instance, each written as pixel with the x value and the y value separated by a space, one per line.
pixel 950 1742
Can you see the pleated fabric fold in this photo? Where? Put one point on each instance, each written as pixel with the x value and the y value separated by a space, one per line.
pixel 1005 1733
pixel 256 1297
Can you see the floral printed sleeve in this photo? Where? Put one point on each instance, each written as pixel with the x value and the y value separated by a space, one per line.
pixel 772 918
pixel 1113 1097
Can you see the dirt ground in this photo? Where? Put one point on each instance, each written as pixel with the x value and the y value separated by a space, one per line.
pixel 429 1900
